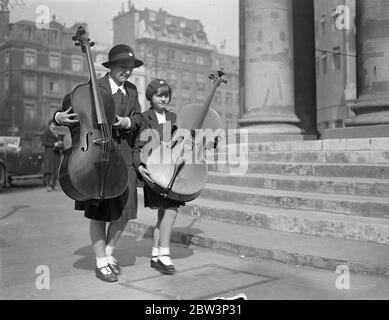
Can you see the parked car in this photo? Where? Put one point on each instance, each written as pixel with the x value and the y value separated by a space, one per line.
pixel 16 163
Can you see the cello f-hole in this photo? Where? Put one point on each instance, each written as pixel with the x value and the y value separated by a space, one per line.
pixel 85 148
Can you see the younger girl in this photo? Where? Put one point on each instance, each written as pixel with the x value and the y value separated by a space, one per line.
pixel 159 93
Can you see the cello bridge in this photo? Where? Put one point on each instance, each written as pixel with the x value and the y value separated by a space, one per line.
pixel 101 141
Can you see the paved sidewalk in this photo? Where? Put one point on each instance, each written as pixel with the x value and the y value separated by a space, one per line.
pixel 39 230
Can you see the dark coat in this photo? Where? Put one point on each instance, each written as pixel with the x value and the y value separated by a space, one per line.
pixel 111 209
pixel 51 157
pixel 150 121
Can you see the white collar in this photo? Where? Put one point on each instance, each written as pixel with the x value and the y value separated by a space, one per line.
pixel 115 87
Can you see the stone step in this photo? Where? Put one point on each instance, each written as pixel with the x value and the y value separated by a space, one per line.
pixel 307 222
pixel 249 242
pixel 372 157
pixel 331 185
pixel 332 203
pixel 372 171
pixel 367 144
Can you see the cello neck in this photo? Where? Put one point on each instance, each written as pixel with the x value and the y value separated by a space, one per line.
pixel 95 88
pixel 216 82
pixel 82 40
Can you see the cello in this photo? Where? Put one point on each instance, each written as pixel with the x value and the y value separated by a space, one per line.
pixel 93 168
pixel 185 174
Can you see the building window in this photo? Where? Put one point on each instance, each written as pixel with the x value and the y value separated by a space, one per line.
pixel 54 60
pixel 338 124
pixel 185 57
pixel 228 98
pixel 6 58
pixel 28 33
pixel 77 64
pixel 200 81
pixel 30 57
pixel 336 59
pixel 186 95
pixel 186 79
pixel 200 96
pixel 217 98
pixel 200 60
pixel 29 84
pixel 323 24
pixel 324 63
pixel 54 86
pixel 53 109
pixel 170 54
pixel 29 113
pixel 153 16
pixel 6 83
pixel 53 37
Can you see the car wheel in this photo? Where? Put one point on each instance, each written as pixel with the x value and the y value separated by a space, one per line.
pixel 3 176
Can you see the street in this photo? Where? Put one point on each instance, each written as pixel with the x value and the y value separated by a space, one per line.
pixel 45 253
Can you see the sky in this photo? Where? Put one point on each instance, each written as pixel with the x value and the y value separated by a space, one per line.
pixel 219 17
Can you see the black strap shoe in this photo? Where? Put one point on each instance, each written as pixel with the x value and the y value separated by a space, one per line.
pixel 116 269
pixel 109 277
pixel 165 269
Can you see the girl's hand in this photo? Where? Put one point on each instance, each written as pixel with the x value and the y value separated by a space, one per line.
pixel 143 171
pixel 65 117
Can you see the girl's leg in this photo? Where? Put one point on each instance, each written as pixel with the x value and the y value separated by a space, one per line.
pixel 166 226
pixel 166 229
pixel 114 232
pixel 155 250
pixel 97 234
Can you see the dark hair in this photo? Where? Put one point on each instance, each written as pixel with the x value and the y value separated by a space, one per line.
pixel 164 90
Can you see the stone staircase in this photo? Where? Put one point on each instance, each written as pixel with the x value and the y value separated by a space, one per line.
pixel 315 203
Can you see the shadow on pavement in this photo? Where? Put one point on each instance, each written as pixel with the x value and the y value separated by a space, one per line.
pixel 129 248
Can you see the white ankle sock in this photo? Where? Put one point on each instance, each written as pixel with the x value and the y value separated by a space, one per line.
pixel 164 257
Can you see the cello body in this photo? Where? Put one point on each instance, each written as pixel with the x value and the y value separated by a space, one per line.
pixel 93 168
pixel 178 169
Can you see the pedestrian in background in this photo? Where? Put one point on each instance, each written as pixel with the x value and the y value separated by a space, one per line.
pixel 53 145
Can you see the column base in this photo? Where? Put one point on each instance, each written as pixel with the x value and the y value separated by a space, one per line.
pixel 378 131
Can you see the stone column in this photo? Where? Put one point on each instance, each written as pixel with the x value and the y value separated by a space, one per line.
pixel 372 105
pixel 267 66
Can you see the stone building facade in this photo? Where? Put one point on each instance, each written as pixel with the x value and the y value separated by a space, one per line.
pixel 177 49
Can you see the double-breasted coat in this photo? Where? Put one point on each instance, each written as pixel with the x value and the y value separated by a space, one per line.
pixel 126 203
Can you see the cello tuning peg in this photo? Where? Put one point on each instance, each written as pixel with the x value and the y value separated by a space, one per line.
pixel 211 76
pixel 77 44
pixel 221 72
